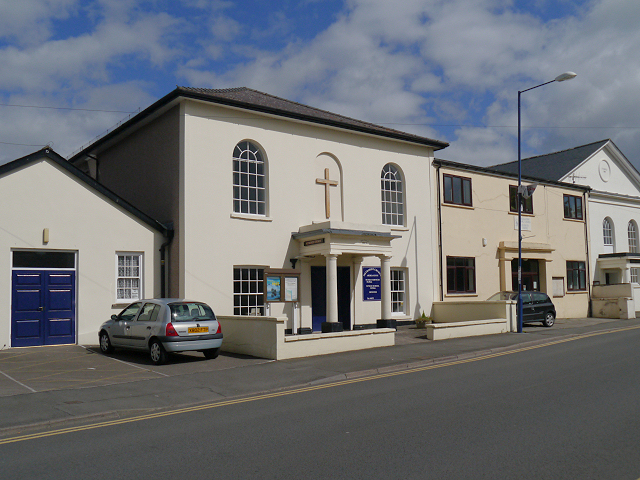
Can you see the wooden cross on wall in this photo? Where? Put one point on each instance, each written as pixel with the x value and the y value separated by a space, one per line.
pixel 327 183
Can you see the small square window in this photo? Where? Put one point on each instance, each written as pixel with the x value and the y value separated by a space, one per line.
pixel 457 190
pixel 573 207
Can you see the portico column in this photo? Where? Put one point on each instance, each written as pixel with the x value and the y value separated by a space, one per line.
pixel 332 324
pixel 385 304
pixel 306 322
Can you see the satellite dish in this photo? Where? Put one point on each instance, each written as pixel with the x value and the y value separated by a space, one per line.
pixel 527 190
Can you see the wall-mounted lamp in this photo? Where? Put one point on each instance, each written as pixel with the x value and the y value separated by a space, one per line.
pixel 293 262
pixel 45 236
pixel 484 242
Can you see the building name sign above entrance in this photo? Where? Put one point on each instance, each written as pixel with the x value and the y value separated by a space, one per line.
pixel 313 242
pixel 372 283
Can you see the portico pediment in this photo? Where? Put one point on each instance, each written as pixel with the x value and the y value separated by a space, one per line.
pixel 339 238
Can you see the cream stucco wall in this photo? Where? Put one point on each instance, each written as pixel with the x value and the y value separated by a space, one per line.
pixel 552 239
pixel 215 240
pixel 43 195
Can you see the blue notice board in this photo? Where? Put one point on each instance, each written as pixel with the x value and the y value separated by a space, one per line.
pixel 371 281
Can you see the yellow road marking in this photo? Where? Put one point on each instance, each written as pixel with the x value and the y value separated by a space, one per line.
pixel 224 403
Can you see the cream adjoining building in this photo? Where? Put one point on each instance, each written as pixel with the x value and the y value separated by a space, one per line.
pixel 614 216
pixel 478 217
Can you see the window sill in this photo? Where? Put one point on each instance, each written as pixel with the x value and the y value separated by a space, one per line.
pixel 458 295
pixel 523 214
pixel 398 228
pixel 248 216
pixel 574 292
pixel 455 205
pixel 575 220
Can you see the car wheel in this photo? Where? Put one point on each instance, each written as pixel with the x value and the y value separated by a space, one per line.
pixel 157 353
pixel 105 343
pixel 549 319
pixel 211 353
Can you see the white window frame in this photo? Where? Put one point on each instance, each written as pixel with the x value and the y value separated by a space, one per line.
pixel 398 291
pixel 124 275
pixel 392 193
pixel 632 236
pixel 635 275
pixel 249 186
pixel 607 232
pixel 248 293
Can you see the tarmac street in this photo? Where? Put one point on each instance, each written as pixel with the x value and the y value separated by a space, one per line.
pixel 53 385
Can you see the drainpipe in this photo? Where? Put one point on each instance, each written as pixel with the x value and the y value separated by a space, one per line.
pixel 163 268
pixel 439 231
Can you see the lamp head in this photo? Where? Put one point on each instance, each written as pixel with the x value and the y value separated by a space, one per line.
pixel 565 76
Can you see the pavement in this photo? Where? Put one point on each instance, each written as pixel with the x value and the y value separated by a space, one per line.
pixel 52 387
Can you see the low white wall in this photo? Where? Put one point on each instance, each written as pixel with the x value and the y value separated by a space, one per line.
pixel 442 331
pixel 614 301
pixel 612 291
pixel 255 336
pixel 636 299
pixel 447 312
pixel 466 319
pixel 613 308
pixel 264 337
pixel 297 346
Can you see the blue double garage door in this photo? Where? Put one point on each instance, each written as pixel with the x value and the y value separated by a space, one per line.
pixel 43 307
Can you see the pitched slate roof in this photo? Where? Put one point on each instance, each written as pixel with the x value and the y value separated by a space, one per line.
pixel 259 101
pixel 249 99
pixel 552 166
pixel 48 153
pixel 439 162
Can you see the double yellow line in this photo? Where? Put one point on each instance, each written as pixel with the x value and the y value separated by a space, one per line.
pixel 254 398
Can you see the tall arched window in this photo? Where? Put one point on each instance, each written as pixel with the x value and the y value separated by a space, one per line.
pixel 392 196
pixel 249 181
pixel 607 235
pixel 632 232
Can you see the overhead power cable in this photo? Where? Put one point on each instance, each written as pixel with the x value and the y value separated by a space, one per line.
pixel 63 108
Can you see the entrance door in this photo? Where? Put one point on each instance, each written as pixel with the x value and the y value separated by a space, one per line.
pixel 319 297
pixel 43 305
pixel 530 275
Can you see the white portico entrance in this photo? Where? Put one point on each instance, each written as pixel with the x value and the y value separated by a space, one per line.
pixel 334 252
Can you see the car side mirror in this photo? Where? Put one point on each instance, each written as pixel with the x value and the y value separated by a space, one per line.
pixel 114 317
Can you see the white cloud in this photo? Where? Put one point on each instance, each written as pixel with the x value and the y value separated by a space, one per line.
pixel 406 64
pixel 85 58
pixel 67 130
pixel 29 22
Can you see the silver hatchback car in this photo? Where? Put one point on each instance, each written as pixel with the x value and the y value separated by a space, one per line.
pixel 163 325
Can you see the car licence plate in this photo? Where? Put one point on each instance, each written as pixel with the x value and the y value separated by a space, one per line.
pixel 198 330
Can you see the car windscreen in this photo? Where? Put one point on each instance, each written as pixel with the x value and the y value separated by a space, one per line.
pixel 502 296
pixel 190 311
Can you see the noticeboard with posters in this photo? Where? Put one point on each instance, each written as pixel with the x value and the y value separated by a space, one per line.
pixel 281 285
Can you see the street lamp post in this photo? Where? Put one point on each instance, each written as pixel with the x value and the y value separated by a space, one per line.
pixel 559 78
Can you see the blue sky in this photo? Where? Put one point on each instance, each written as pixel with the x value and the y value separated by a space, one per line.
pixel 446 69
